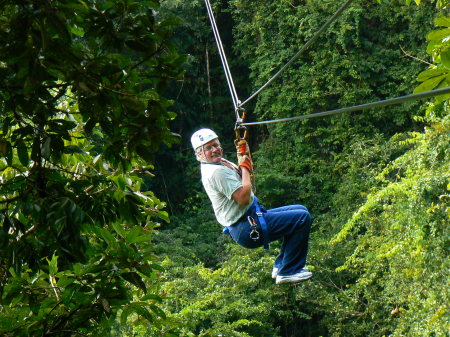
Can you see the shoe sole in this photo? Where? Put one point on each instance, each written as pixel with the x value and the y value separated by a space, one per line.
pixel 283 281
pixel 274 275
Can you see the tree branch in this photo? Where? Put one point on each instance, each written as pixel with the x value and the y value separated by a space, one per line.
pixel 160 49
pixel 70 331
pixel 415 58
pixel 65 319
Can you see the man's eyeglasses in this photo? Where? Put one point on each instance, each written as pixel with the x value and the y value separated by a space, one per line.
pixel 211 147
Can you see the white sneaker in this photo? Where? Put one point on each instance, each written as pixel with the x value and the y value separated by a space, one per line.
pixel 301 276
pixel 275 271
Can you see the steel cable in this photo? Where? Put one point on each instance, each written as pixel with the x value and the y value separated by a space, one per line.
pixel 386 102
pixel 223 58
pixel 306 46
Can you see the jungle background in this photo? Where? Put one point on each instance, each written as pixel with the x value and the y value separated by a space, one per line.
pixel 104 225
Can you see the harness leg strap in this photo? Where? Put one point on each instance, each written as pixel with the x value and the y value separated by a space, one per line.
pixel 263 224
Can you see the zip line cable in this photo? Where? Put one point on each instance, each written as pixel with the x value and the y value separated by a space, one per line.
pixel 222 53
pixel 226 68
pixel 307 44
pixel 238 105
pixel 386 102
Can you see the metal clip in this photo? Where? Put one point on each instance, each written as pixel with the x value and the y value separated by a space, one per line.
pixel 254 234
pixel 241 132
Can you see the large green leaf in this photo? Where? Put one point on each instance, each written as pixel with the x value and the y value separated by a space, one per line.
pixel 443 21
pixel 119 229
pixel 109 238
pixel 22 153
pixel 430 84
pixel 445 58
pixel 427 74
pixel 45 148
pixel 438 35
pixel 135 279
pixel 134 234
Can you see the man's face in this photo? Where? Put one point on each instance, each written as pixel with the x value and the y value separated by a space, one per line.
pixel 213 151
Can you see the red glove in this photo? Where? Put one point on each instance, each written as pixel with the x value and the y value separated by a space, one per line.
pixel 246 162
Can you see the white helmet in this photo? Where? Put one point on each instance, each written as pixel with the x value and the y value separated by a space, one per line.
pixel 201 137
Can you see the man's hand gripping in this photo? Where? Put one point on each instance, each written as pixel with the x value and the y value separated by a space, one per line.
pixel 243 155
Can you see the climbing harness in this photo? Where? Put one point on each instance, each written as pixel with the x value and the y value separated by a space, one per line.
pixel 262 223
pixel 255 235
pixel 233 166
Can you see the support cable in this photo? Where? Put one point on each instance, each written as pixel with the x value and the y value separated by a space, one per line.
pixel 386 102
pixel 305 46
pixel 223 58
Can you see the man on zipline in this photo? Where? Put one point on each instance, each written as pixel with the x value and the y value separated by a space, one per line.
pixel 237 209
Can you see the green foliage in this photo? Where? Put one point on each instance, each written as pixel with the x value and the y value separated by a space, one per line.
pixel 351 64
pixel 192 238
pixel 376 183
pixel 382 273
pixel 236 299
pixel 401 239
pixel 438 76
pixel 82 110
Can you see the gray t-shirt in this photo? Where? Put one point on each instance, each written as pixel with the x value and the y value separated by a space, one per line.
pixel 220 182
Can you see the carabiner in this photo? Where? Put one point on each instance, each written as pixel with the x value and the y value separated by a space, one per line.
pixel 241 139
pixel 254 234
pixel 241 132
pixel 239 118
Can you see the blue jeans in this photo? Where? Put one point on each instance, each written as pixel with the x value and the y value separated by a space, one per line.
pixel 289 223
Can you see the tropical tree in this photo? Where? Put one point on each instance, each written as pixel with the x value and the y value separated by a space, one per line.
pixel 82 110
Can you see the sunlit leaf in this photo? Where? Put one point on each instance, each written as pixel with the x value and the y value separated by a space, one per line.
pixel 119 229
pixel 427 74
pixel 443 21
pixel 445 58
pixel 429 84
pixel 53 265
pixel 438 35
pixel 76 31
